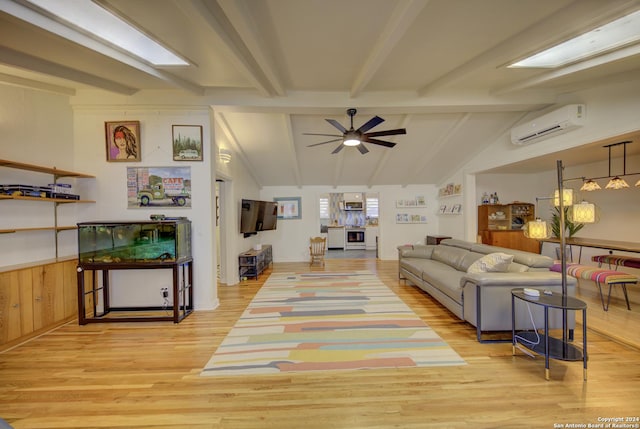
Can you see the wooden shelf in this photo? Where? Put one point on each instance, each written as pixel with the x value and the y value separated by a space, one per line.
pixel 43 200
pixel 39 169
pixel 56 173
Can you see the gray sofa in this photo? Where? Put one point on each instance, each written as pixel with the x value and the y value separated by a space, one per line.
pixel 482 299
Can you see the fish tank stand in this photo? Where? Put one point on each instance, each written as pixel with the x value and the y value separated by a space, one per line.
pixel 134 245
pixel 94 286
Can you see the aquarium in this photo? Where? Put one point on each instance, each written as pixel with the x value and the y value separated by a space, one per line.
pixel 157 241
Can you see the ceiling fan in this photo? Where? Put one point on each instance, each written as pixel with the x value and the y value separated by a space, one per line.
pixel 357 137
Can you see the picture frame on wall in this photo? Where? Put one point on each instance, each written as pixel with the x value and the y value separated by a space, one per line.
pixel 123 141
pixel 289 208
pixel 166 187
pixel 187 142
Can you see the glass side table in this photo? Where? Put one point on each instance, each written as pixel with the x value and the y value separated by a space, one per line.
pixel 543 343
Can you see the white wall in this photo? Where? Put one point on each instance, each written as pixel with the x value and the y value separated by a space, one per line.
pixel 291 239
pixel 35 128
pixel 611 111
pixel 142 287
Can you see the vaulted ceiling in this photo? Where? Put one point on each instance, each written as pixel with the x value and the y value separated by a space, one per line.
pixel 276 69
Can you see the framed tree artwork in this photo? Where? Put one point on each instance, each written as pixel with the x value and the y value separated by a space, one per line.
pixel 187 142
pixel 123 141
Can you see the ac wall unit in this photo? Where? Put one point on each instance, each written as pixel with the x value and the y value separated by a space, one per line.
pixel 551 124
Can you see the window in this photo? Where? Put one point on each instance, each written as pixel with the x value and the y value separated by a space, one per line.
pixel 324 208
pixel 372 207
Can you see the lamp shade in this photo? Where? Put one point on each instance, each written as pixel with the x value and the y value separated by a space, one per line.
pixel 616 183
pixel 567 197
pixel 538 229
pixel 590 185
pixel 583 212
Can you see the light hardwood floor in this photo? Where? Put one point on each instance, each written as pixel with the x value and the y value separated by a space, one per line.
pixel 145 375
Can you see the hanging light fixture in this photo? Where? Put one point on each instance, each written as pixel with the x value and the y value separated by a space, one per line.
pixel 567 197
pixel 590 185
pixel 583 212
pixel 538 229
pixel 617 183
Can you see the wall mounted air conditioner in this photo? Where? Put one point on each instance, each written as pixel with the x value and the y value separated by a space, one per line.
pixel 551 124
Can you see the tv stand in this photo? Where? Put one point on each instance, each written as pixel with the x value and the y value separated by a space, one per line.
pixel 253 262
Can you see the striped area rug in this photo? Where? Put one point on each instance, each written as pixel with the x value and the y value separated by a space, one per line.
pixel 327 321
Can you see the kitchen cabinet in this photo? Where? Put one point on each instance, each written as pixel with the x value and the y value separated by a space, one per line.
pixel 335 237
pixel 370 237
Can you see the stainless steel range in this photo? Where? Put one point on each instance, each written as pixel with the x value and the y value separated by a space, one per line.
pixel 355 238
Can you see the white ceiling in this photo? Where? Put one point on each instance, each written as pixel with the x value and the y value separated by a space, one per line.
pixel 275 69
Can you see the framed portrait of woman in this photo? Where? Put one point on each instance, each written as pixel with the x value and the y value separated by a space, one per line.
pixel 123 141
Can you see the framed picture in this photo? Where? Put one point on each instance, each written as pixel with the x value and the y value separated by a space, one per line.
pixel 289 208
pixel 123 141
pixel 187 142
pixel 149 187
pixel 457 208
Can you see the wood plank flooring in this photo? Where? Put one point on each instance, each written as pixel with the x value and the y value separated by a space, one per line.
pixel 145 375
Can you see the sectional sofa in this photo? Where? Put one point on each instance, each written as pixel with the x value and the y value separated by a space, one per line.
pixel 482 296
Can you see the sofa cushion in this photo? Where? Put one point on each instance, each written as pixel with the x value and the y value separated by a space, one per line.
pixel 531 260
pixel 445 278
pixel 491 263
pixel 416 251
pixel 452 256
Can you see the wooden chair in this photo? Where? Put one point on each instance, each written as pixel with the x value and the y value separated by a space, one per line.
pixel 317 248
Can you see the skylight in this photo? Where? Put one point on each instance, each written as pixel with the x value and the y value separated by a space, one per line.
pixel 616 34
pixel 101 23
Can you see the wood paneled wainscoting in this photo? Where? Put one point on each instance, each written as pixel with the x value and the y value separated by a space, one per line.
pixel 147 375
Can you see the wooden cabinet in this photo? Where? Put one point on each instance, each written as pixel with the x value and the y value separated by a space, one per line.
pixel 503 217
pixel 501 225
pixel 36 299
pixel 16 305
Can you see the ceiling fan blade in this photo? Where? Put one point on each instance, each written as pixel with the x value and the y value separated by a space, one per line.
pixel 362 149
pixel 376 120
pixel 338 149
pixel 378 142
pixel 387 132
pixel 328 141
pixel 327 135
pixel 337 124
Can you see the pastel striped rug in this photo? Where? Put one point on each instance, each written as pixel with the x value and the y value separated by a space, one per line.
pixel 327 321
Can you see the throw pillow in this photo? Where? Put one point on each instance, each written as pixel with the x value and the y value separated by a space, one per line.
pixel 491 263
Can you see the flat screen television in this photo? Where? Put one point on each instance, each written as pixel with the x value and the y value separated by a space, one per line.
pixel 256 216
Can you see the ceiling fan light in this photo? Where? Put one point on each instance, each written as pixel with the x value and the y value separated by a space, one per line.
pixel 351 138
pixel 638 184
pixel 590 185
pixel 617 183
